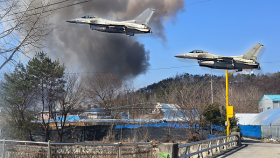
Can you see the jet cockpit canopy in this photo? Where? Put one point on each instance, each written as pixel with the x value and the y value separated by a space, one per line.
pixel 197 51
pixel 88 16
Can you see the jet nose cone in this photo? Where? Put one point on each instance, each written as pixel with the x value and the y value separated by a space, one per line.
pixel 180 56
pixel 71 21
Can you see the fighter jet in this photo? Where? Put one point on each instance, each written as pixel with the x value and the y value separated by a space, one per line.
pixel 245 61
pixel 131 27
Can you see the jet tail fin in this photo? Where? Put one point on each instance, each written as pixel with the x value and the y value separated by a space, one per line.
pixel 144 17
pixel 252 53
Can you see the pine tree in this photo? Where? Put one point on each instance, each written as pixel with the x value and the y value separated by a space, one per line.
pixel 47 76
pixel 17 99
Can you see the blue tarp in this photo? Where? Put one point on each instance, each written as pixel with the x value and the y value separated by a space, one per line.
pixel 69 118
pixel 212 136
pixel 251 131
pixel 217 127
pixel 173 125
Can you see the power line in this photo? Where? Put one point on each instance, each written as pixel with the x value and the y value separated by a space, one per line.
pixel 198 2
pixel 268 62
pixel 163 68
pixel 83 2
pixel 152 69
pixel 40 7
pixel 71 5
pixel 52 9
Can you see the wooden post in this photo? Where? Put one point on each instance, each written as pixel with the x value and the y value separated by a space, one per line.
pixel 49 149
pixel 119 152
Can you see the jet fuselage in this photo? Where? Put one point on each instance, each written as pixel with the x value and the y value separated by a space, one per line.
pixel 238 65
pixel 245 61
pixel 110 26
pixel 138 25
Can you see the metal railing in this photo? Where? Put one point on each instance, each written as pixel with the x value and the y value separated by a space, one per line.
pixel 208 145
pixel 15 148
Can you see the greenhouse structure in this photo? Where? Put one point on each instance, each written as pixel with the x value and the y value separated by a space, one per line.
pixel 266 124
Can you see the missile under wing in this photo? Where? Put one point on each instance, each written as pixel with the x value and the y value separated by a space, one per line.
pixel 137 26
pixel 245 61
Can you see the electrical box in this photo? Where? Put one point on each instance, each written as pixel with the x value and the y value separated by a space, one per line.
pixel 230 111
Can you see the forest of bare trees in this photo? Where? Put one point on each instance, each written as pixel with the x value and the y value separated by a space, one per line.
pixel 245 91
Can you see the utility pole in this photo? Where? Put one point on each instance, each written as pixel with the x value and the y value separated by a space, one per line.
pixel 230 109
pixel 127 102
pixel 227 108
pixel 212 88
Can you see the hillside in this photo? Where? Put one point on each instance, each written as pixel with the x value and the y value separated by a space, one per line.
pixel 195 90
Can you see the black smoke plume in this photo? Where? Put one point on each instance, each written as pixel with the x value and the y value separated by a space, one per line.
pixel 77 46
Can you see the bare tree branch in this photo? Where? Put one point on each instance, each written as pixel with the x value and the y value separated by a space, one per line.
pixel 25 25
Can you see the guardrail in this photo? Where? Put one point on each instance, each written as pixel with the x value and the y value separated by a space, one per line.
pixel 16 148
pixel 218 142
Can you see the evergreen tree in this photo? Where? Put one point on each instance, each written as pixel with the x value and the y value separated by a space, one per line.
pixel 47 76
pixel 212 114
pixel 17 102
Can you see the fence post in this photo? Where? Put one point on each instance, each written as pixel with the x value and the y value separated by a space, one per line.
pixel 168 149
pixel 210 152
pixel 49 149
pixel 238 138
pixel 4 148
pixel 151 149
pixel 224 141
pixel 119 152
pixel 199 155
pixel 218 148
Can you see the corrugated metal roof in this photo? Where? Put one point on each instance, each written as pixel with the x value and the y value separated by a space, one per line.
pixel 272 97
pixel 171 112
pixel 95 110
pixel 267 118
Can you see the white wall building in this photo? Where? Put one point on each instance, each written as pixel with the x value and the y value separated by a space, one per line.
pixel 269 102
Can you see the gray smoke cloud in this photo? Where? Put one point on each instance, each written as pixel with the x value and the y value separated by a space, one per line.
pixel 77 46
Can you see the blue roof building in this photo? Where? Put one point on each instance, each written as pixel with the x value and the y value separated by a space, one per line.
pixel 269 102
pixel 70 118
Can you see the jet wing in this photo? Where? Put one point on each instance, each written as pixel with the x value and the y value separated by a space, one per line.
pixel 222 59
pixel 225 59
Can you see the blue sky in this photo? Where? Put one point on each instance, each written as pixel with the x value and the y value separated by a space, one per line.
pixel 222 27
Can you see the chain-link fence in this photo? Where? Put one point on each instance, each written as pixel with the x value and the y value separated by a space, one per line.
pixel 17 149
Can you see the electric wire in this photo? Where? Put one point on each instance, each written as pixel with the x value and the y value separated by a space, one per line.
pixel 197 2
pixel 151 69
pixel 51 10
pixel 39 7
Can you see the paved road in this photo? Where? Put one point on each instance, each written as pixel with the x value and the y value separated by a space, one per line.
pixel 253 149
